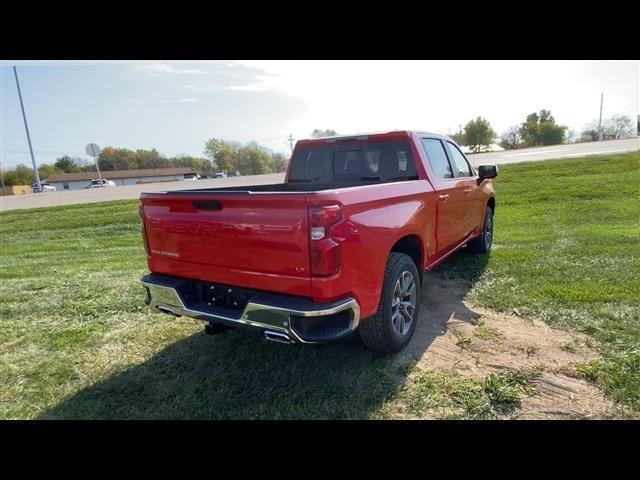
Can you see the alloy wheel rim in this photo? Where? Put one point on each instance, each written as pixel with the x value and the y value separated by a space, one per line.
pixel 403 303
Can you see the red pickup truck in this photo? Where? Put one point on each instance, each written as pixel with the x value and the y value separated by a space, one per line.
pixel 339 246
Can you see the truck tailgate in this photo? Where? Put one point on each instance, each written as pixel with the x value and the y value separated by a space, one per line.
pixel 252 240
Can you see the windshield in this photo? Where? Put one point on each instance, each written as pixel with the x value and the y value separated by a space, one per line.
pixel 379 161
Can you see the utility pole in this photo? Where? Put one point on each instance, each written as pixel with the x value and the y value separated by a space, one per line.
pixel 26 127
pixel 93 150
pixel 98 169
pixel 600 121
pixel 290 141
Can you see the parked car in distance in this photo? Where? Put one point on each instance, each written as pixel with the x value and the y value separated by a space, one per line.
pixel 339 247
pixel 45 188
pixel 191 177
pixel 101 183
pixel 220 175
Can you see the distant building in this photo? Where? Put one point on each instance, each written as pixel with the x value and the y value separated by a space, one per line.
pixel 81 180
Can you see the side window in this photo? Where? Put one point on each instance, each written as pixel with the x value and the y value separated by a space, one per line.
pixel 437 157
pixel 460 163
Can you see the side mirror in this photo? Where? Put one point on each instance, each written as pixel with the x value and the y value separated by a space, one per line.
pixel 486 172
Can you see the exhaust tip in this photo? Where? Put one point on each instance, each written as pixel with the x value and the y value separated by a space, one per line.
pixel 277 337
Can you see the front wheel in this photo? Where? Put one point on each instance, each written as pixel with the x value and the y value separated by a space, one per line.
pixel 392 326
pixel 482 243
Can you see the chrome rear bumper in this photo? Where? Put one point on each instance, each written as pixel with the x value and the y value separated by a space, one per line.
pixel 280 317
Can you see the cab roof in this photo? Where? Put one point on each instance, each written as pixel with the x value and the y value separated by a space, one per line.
pixel 391 135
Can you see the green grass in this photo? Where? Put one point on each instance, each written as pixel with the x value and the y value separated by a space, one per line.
pixel 77 341
pixel 429 394
pixel 567 250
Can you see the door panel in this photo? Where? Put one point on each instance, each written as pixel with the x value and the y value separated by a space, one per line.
pixel 451 223
pixel 467 182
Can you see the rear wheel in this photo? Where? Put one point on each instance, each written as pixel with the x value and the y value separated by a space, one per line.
pixel 482 243
pixel 392 326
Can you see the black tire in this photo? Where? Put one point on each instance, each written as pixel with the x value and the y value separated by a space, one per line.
pixel 380 332
pixel 482 243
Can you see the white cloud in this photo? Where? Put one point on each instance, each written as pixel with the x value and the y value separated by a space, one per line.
pixel 257 87
pixel 355 96
pixel 212 76
pixel 160 69
pixel 180 100
pixel 202 88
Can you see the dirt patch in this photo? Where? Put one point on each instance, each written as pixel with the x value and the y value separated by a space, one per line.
pixel 454 337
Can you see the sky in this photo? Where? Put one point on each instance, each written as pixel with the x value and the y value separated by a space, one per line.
pixel 175 106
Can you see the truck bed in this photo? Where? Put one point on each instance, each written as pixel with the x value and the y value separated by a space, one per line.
pixel 279 187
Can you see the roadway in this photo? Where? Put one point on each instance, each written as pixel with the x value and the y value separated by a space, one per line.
pixel 71 197
pixel 556 151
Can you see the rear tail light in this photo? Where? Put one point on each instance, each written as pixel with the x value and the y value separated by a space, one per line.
pixel 325 252
pixel 144 227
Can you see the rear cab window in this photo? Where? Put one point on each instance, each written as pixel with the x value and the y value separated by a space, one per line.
pixel 383 161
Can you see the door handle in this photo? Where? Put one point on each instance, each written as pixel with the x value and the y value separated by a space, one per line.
pixel 467 191
pixel 443 198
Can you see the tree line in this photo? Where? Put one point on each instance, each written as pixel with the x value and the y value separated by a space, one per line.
pixel 23 175
pixel 244 159
pixel 233 158
pixel 110 159
pixel 249 158
pixel 539 129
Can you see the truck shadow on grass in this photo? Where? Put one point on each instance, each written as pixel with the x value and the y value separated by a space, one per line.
pixel 241 376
